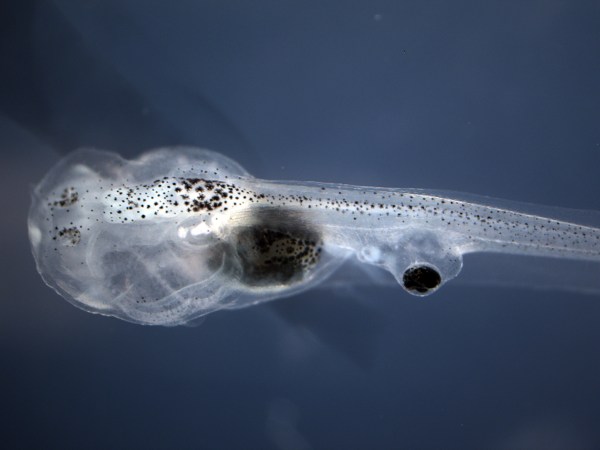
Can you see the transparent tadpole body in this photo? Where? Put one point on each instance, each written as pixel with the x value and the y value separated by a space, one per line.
pixel 181 232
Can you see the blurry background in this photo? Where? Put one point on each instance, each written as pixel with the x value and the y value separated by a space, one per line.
pixel 495 98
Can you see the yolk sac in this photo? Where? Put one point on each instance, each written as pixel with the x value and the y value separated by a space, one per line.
pixel 421 280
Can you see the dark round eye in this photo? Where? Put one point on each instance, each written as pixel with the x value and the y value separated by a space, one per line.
pixel 421 279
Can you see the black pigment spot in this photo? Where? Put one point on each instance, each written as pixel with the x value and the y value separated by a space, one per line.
pixel 68 236
pixel 276 249
pixel 68 197
pixel 421 279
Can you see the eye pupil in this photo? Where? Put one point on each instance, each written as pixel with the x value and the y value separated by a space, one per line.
pixel 421 279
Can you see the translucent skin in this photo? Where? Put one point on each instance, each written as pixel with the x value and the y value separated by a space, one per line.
pixel 181 232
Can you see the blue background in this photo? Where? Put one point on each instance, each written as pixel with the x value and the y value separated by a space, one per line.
pixel 496 98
